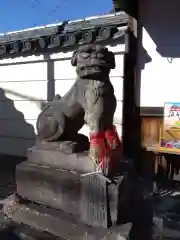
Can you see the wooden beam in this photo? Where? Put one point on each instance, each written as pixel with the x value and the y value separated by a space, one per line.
pixel 131 134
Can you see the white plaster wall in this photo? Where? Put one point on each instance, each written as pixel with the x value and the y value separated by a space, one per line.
pixel 23 90
pixel 160 77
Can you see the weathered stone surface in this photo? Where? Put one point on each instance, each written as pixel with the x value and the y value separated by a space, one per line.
pixel 91 198
pixel 90 99
pixel 23 232
pixel 94 208
pixel 115 193
pixel 51 187
pixel 79 162
pixel 77 143
pixel 100 200
pixel 62 225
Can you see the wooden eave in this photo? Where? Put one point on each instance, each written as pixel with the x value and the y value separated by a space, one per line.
pixel 62 35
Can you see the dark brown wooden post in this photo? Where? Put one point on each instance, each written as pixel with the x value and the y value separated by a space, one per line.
pixel 131 133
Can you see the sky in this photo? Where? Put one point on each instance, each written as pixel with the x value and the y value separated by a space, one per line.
pixel 20 14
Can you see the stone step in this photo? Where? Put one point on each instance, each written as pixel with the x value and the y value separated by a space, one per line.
pixel 24 232
pixel 79 162
pixel 15 225
pixel 10 230
pixel 61 225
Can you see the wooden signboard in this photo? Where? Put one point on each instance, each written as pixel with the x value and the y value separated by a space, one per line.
pixel 170 133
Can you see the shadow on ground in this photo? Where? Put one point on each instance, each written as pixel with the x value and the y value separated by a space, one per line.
pixel 7 174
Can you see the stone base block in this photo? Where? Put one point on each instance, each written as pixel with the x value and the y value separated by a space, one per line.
pixel 51 187
pixel 77 143
pixel 90 198
pixel 79 162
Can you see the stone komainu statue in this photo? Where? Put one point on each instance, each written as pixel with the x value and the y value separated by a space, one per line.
pixel 91 99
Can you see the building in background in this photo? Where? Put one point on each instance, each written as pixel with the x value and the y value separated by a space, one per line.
pixel 160 78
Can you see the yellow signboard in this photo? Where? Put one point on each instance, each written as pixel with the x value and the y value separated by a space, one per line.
pixel 170 133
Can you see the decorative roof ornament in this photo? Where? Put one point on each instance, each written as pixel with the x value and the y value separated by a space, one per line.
pixel 54 37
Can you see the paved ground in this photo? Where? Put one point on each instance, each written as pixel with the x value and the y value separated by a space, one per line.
pixel 168 208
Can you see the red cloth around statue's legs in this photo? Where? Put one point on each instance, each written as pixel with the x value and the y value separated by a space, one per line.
pixel 115 149
pixel 112 138
pixel 99 150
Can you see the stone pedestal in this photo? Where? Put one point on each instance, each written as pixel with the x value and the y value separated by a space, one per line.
pixel 58 183
pixel 90 198
pixel 78 162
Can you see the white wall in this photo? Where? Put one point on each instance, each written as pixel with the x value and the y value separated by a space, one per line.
pixel 160 78
pixel 25 89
